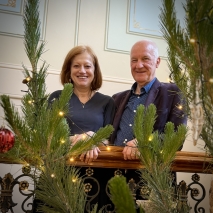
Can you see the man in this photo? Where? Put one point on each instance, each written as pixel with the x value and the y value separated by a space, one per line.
pixel 144 60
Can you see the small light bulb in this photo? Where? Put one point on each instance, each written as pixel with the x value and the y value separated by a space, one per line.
pixel 62 141
pixel 161 151
pixel 28 79
pixel 83 136
pixel 211 80
pixel 192 40
pixel 180 107
pixel 61 113
pixel 71 159
pixel 52 175
pixel 150 138
pixel 108 148
pixel 74 180
pixel 30 102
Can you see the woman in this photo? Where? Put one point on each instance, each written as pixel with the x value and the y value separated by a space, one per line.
pixel 89 110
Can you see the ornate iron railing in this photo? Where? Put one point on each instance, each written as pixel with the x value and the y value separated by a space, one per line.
pixel 110 162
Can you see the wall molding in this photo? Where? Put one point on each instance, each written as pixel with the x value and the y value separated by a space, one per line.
pixel 57 72
pixel 18 67
pixel 77 22
pixel 8 18
pixel 14 97
pixel 113 41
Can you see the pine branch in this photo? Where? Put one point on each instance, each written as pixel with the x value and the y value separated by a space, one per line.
pixel 172 141
pixel 22 150
pixel 143 132
pixel 162 193
pixel 32 33
pixel 189 46
pixel 87 144
pixel 61 189
pixel 121 195
pixel 157 151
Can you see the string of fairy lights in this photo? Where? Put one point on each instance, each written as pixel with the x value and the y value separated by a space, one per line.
pixel 84 135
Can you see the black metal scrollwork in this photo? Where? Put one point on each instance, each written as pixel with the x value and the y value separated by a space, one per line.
pixel 6 198
pixel 92 189
pixel 183 191
pixel 195 192
pixel 95 187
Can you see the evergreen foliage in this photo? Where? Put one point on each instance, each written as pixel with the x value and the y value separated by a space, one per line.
pixel 122 196
pixel 60 193
pixel 190 57
pixel 42 133
pixel 155 147
pixel 157 152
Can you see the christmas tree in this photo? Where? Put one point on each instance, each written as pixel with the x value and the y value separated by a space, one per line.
pixel 42 142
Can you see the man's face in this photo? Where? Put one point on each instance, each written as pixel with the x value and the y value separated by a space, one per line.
pixel 144 62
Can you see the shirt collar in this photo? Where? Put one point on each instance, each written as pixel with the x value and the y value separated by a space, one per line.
pixel 146 87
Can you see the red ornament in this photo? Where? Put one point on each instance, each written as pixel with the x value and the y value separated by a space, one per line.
pixel 7 140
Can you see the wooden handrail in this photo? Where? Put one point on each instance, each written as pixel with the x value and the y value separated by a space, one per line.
pixel 192 162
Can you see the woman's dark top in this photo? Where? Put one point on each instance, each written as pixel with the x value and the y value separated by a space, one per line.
pixel 91 116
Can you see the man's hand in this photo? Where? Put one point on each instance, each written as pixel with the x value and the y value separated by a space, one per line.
pixel 130 151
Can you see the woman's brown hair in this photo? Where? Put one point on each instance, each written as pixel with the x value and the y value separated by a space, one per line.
pixel 65 72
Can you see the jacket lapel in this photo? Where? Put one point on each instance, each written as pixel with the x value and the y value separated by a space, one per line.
pixel 153 93
pixel 121 107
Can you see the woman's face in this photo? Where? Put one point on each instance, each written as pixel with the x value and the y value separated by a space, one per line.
pixel 82 70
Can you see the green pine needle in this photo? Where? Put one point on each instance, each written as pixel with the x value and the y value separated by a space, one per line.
pixel 121 195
